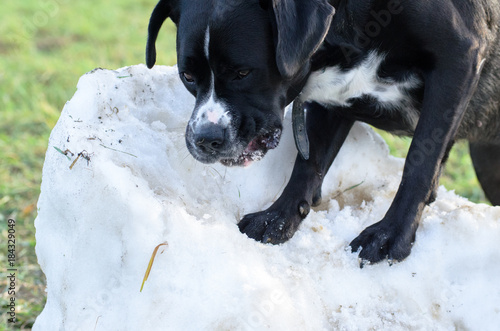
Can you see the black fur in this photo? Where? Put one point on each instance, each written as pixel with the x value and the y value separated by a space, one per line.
pixel 449 47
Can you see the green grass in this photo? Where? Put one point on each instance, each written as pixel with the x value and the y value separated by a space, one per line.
pixel 45 46
pixel 458 174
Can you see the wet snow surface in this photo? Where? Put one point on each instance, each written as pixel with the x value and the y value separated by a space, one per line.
pixel 135 186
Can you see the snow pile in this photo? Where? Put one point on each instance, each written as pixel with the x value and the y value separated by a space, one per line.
pixel 127 183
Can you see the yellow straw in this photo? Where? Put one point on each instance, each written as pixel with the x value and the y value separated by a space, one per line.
pixel 150 265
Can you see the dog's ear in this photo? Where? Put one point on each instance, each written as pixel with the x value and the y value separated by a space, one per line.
pixel 161 12
pixel 265 4
pixel 300 28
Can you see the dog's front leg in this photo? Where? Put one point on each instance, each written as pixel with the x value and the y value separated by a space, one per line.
pixel 327 132
pixel 447 93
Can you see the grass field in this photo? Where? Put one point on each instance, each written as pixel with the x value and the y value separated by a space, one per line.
pixel 45 46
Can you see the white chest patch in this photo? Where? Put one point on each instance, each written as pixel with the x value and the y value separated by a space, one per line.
pixel 334 86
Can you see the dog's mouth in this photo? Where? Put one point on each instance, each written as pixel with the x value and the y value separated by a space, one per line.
pixel 255 150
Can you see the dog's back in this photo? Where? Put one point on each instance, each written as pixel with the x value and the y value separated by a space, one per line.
pixel 482 120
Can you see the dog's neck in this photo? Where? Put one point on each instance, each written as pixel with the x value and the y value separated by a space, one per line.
pixel 350 11
pixel 335 3
pixel 298 83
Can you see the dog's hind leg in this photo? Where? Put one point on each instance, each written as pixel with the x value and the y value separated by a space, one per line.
pixel 327 131
pixel 486 160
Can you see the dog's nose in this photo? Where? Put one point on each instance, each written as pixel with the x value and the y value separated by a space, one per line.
pixel 210 137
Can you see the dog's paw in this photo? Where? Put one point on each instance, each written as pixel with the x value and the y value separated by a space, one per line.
pixel 275 225
pixel 381 241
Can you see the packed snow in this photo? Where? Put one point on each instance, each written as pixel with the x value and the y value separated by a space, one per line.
pixel 118 181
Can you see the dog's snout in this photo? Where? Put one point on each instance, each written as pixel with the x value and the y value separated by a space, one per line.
pixel 210 138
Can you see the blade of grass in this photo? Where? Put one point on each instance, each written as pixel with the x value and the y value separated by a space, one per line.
pixel 63 153
pixel 347 189
pixel 116 150
pixel 150 265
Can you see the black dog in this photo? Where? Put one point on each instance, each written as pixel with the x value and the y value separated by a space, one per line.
pixel 429 69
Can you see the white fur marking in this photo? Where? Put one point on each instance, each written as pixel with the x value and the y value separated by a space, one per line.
pixel 207 42
pixel 333 86
pixel 212 111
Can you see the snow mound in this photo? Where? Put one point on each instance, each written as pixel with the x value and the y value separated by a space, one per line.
pixel 127 184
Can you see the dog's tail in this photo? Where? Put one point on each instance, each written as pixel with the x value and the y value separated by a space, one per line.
pixel 158 16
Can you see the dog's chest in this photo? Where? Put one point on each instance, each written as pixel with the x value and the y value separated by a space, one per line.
pixel 334 86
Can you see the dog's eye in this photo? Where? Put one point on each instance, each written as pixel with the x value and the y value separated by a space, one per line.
pixel 243 74
pixel 189 78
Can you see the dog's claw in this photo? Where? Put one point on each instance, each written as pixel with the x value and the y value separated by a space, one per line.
pixel 304 209
pixel 274 226
pixel 363 262
pixel 379 242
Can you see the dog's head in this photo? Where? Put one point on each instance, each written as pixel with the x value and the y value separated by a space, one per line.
pixel 244 61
